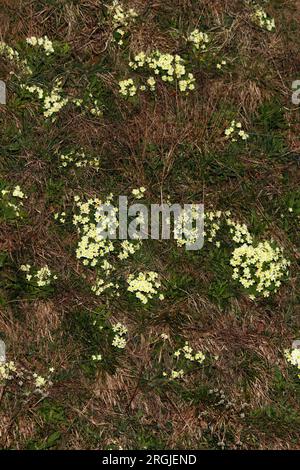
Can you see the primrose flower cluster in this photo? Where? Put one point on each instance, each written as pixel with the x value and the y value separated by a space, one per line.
pixel 53 101
pixel 239 232
pixel 94 226
pixel 92 246
pixel 120 334
pixel 293 357
pixel 214 221
pixel 138 193
pixel 90 104
pixel 170 68
pixel 122 19
pixel 262 19
pixel 41 382
pixel 259 269
pixel 212 225
pixel 60 217
pixel 127 87
pixel 145 286
pixel 95 249
pixel 188 353
pixel 185 357
pixel 14 56
pixel 43 42
pixel 103 283
pixel 188 218
pixel 9 372
pixel 199 39
pixel 39 277
pixel 128 248
pixel 96 357
pixel 221 64
pixel 235 132
pixel 79 159
pixel 11 202
pixel 94 107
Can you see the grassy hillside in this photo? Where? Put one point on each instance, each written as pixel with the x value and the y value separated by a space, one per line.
pixel 206 117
